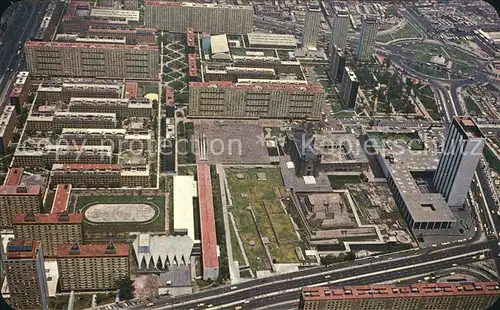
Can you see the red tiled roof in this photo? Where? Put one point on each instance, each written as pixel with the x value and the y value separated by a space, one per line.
pixel 207 219
pixel 73 6
pixel 192 65
pixel 131 89
pixel 169 96
pixel 61 198
pixel 14 176
pixel 93 250
pixel 391 291
pixel 44 218
pixel 190 37
pixel 27 249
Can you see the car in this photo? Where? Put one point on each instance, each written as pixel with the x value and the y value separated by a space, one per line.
pixel 150 304
pixel 237 308
pixel 246 302
pixel 210 306
pixel 201 305
pixel 454 265
pixel 434 245
pixel 234 287
pixel 327 276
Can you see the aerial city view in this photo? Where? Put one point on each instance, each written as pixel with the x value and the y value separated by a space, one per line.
pixel 250 154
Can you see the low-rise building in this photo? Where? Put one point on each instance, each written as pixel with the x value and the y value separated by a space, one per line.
pixel 47 155
pixel 138 107
pixel 63 91
pixel 63 120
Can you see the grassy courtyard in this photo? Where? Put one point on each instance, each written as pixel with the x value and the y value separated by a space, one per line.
pixel 261 194
pixel 158 203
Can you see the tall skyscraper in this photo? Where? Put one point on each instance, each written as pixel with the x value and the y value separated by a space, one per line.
pixel 461 153
pixel 337 64
pixel 340 26
pixel 349 88
pixel 25 274
pixel 312 25
pixel 366 44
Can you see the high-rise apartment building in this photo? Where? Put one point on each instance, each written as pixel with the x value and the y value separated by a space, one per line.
pixel 8 121
pixel 349 88
pixel 20 90
pixel 25 275
pixel 312 24
pixel 54 229
pixel 367 38
pixel 202 17
pixel 17 197
pixel 340 26
pixel 461 153
pixel 442 296
pixel 92 60
pixel 337 64
pixel 84 267
pixel 259 100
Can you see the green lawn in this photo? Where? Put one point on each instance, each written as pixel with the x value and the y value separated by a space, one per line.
pixel 254 192
pixel 237 255
pixel 83 202
pixel 407 31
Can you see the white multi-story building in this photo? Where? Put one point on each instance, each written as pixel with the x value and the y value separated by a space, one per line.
pixel 461 153
pixel 312 25
pixel 367 38
pixel 340 26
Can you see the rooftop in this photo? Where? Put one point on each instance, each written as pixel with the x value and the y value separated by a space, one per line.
pixel 91 46
pixel 6 118
pixel 45 218
pixel 184 192
pixel 93 250
pixel 258 86
pixel 391 291
pixel 339 147
pixel 467 126
pixel 14 176
pixel 207 218
pixel 22 249
pixel 80 167
pixel 219 44
pixel 192 4
pixel 284 40
pixel 61 198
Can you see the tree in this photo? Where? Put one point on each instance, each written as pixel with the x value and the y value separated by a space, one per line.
pixel 350 255
pixel 327 260
pixel 126 287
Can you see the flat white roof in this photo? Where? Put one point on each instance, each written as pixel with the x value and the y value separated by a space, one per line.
pixel 185 189
pixel 286 40
pixel 219 44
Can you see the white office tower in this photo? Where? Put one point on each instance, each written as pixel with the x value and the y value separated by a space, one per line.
pixel 461 153
pixel 340 27
pixel 366 44
pixel 312 25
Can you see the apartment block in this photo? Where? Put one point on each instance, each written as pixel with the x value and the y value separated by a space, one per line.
pixel 91 267
pixel 48 155
pixel 201 17
pixel 87 175
pixel 312 25
pixel 340 27
pixel 259 100
pixel 17 197
pixel 20 90
pixel 92 60
pixel 442 296
pixel 73 22
pixel 63 91
pixel 337 64
pixel 8 121
pixel 122 107
pixel 25 275
pixel 132 36
pixel 83 120
pixel 54 229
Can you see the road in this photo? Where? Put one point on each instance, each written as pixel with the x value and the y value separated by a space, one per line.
pixel 30 14
pixel 357 268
